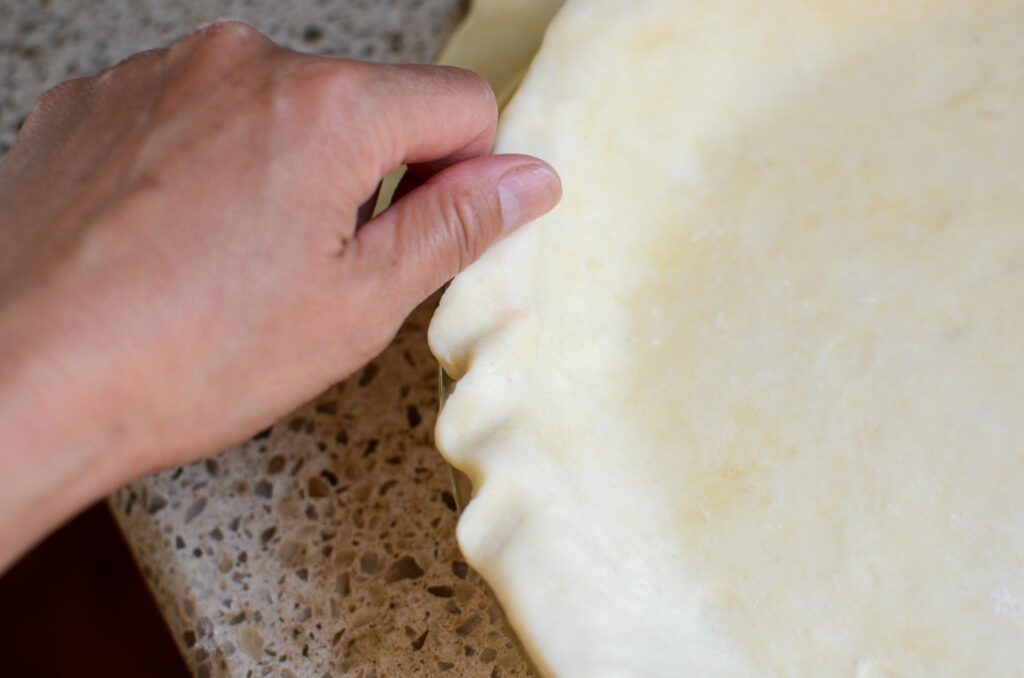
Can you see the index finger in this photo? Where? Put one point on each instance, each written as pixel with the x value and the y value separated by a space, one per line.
pixel 430 117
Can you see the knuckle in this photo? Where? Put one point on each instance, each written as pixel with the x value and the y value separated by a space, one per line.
pixel 143 62
pixel 332 94
pixel 230 30
pixel 60 97
pixel 468 216
pixel 63 91
pixel 334 83
pixel 227 35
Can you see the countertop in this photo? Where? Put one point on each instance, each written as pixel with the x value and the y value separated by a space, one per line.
pixel 325 545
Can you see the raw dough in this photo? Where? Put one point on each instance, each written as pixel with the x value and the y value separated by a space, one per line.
pixel 750 401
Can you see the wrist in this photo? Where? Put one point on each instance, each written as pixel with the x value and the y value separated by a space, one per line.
pixel 55 456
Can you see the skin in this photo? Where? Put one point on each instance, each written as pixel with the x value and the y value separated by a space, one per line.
pixel 185 259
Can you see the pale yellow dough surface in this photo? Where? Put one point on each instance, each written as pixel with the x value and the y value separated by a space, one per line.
pixel 750 401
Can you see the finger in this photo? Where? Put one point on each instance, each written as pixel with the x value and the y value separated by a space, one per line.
pixel 429 117
pixel 424 239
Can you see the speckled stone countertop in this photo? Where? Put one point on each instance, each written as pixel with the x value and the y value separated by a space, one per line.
pixel 325 546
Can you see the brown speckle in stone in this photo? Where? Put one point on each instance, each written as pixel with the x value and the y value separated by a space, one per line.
pixel 337 636
pixel 212 467
pixel 250 642
pixel 264 434
pixel 369 563
pixel 451 607
pixel 243 557
pixel 275 465
pixel 469 650
pixel 327 407
pixel 394 461
pixel 385 486
pixel 362 491
pixel 488 656
pixel 364 616
pixel 195 509
pixel 216 534
pixel 405 567
pixel 311 512
pixel 302 573
pixel 235 522
pixel 371 447
pixel 296 424
pixel 413 416
pixel 197 552
pixel 156 502
pixel 179 543
pixel 237 619
pixel 496 672
pixel 445 666
pixel 312 34
pixel 441 591
pixel 263 489
pixel 318 489
pixel 460 569
pixel 310 427
pixel 298 466
pixel 130 502
pixel 267 534
pixel 449 500
pixel 468 626
pixel 369 372
pixel 343 586
pixel 397 42
pixel 201 654
pixel 341 437
pixel 189 637
pixel 417 644
pixel 329 477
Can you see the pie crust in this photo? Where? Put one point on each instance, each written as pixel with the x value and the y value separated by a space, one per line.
pixel 750 400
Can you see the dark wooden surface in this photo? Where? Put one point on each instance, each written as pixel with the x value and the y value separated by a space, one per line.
pixel 77 606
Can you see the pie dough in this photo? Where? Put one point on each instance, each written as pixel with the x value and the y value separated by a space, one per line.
pixel 750 400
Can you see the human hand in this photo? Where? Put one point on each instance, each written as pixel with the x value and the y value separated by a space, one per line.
pixel 183 259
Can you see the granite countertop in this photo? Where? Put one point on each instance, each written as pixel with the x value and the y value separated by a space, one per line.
pixel 325 545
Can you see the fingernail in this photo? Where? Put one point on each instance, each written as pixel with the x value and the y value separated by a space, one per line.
pixel 526 192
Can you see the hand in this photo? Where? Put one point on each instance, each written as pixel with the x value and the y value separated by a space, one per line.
pixel 183 260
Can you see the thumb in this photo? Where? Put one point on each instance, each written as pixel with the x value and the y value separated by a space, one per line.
pixel 438 229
